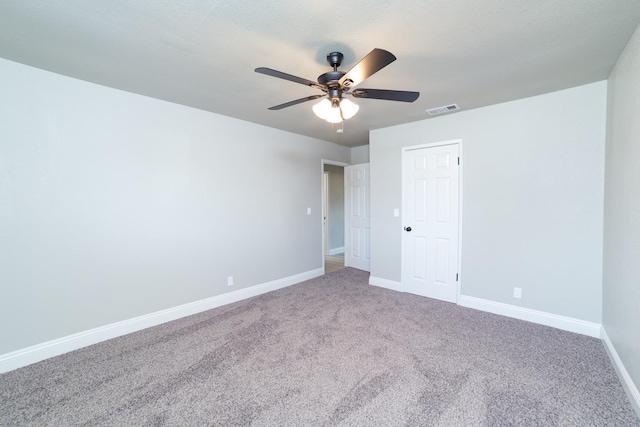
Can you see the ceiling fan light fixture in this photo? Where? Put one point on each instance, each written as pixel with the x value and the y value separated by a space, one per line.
pixel 322 109
pixel 349 109
pixel 332 113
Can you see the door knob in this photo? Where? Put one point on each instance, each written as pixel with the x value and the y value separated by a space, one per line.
pixel 407 229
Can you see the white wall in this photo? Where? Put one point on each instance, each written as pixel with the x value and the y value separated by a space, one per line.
pixel 114 205
pixel 360 154
pixel 621 297
pixel 532 199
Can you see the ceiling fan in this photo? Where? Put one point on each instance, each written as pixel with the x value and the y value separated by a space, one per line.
pixel 335 84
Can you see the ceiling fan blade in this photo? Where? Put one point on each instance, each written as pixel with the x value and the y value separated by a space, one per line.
pixel 375 61
pixel 297 101
pixel 389 95
pixel 285 76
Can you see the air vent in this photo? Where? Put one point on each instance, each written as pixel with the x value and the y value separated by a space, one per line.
pixel 445 109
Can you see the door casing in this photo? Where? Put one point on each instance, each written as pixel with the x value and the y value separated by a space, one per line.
pixel 323 213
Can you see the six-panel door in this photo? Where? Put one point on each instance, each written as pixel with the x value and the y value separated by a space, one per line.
pixel 357 217
pixel 430 209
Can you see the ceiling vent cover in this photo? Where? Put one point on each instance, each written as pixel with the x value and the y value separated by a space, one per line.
pixel 445 109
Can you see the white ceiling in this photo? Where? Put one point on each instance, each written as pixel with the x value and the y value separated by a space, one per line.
pixel 203 53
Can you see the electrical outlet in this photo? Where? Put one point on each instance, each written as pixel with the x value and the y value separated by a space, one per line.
pixel 517 292
pixel 230 281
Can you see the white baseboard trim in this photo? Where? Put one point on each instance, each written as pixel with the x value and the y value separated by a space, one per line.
pixel 627 383
pixel 38 352
pixel 548 319
pixel 336 251
pixel 385 283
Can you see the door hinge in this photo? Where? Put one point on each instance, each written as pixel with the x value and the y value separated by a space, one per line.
pixel 456 277
pixel 458 160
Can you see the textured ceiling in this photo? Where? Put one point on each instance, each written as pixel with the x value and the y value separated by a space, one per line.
pixel 203 53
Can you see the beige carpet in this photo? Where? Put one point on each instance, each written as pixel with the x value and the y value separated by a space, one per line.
pixel 330 351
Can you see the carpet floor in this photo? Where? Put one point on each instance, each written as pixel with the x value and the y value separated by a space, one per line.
pixel 329 351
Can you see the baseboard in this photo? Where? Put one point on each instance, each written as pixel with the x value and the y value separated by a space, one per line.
pixel 336 251
pixel 385 283
pixel 541 317
pixel 548 319
pixel 36 353
pixel 627 383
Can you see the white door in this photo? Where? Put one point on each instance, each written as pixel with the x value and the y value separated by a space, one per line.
pixel 357 218
pixel 430 220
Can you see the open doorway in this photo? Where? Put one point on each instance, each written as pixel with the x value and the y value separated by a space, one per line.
pixel 333 215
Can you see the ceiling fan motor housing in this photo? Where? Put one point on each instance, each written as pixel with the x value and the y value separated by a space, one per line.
pixel 331 78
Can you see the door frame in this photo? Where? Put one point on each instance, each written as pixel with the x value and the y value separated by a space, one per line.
pixel 457 142
pixel 325 217
pixel 322 214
